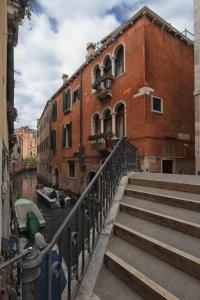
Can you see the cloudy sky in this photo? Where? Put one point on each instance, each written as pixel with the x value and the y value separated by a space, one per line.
pixel 54 42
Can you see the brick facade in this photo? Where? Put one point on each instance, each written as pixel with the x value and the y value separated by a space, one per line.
pixel 153 94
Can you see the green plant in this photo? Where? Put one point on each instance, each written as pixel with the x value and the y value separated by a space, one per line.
pixel 26 7
pixel 30 159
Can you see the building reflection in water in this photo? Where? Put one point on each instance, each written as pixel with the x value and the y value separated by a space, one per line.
pixel 24 185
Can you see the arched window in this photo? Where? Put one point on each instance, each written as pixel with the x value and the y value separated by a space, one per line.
pixel 120 120
pixel 108 66
pixel 107 121
pixel 119 61
pixel 96 124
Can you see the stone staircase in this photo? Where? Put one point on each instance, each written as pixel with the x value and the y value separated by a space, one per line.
pixel 154 252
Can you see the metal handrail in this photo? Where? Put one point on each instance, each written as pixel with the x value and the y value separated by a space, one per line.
pixel 78 203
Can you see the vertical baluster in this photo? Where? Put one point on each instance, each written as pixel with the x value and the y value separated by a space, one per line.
pixel 76 246
pixel 83 218
pixel 100 198
pixel 69 256
pixel 93 217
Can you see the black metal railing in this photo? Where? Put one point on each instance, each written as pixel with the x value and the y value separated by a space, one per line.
pixel 75 240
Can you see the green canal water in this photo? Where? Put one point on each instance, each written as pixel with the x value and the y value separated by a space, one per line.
pixel 24 187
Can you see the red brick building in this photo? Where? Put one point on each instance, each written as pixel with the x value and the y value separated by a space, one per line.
pixel 139 83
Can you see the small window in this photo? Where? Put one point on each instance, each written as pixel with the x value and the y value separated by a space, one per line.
pixel 67 101
pixel 71 168
pixel 76 95
pixel 157 104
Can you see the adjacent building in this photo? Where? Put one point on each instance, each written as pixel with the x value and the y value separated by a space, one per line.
pixel 197 82
pixel 137 84
pixel 9 21
pixel 29 141
pixel 44 170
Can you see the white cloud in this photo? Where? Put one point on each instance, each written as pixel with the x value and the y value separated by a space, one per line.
pixel 43 54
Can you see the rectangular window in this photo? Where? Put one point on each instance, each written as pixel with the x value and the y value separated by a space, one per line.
pixel 53 139
pixel 67 135
pixel 157 104
pixel 71 169
pixel 76 95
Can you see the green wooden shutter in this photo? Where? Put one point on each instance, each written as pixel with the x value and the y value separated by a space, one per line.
pixel 70 134
pixel 64 136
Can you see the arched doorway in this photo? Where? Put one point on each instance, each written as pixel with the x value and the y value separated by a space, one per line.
pixel 55 177
pixel 90 176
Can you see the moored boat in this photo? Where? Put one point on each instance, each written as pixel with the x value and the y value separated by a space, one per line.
pixel 22 208
pixel 53 198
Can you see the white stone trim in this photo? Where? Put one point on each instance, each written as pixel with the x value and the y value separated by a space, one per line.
pixel 145 90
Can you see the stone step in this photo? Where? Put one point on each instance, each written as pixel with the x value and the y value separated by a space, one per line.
pixel 170 278
pixel 173 198
pixel 110 287
pixel 135 279
pixel 176 212
pixel 174 238
pixel 162 219
pixel 166 184
pixel 180 259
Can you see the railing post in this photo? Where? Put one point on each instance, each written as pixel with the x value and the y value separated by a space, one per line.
pixel 30 275
pixel 124 155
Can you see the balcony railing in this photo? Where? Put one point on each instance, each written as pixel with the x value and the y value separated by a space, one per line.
pixel 77 237
pixel 103 142
pixel 103 86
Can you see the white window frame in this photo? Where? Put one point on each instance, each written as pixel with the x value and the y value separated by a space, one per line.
pixel 156 111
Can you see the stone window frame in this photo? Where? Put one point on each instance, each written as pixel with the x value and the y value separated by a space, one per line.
pixel 65 130
pixel 115 51
pixel 157 111
pixel 125 117
pixel 93 124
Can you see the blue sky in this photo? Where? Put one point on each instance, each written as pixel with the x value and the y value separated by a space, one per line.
pixel 54 42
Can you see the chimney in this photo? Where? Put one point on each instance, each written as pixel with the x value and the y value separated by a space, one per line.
pixel 65 78
pixel 90 49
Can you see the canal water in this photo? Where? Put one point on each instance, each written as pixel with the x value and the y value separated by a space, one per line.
pixel 24 187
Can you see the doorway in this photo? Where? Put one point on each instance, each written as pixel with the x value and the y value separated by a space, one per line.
pixel 167 166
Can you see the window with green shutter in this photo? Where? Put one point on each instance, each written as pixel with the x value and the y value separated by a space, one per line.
pixel 76 95
pixel 64 136
pixel 53 139
pixel 54 110
pixel 67 101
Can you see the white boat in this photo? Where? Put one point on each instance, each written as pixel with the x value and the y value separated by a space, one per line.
pixel 45 194
pixel 24 206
